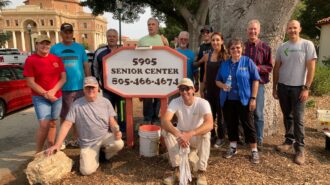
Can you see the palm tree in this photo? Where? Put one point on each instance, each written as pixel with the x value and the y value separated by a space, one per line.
pixel 4 3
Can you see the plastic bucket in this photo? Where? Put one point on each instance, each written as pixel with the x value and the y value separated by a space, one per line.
pixel 149 140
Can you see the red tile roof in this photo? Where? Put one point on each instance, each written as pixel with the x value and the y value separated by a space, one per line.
pixel 323 21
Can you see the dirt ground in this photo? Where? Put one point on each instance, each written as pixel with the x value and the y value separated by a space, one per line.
pixel 275 168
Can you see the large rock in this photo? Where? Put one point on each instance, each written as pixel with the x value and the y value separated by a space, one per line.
pixel 45 170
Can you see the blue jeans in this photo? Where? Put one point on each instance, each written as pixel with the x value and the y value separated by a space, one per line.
pixel 46 110
pixel 259 113
pixel 151 108
pixel 293 114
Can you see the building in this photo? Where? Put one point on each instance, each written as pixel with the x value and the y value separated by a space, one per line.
pixel 46 17
pixel 324 48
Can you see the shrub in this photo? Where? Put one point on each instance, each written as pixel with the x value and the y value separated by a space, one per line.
pixel 321 83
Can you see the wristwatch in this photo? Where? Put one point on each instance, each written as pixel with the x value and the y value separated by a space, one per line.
pixel 305 87
pixel 252 98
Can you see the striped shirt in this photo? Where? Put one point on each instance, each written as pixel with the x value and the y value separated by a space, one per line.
pixel 261 54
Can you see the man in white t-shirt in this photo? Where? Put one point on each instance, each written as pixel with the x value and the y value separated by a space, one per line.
pixel 193 129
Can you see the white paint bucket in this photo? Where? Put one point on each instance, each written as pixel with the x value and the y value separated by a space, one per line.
pixel 149 140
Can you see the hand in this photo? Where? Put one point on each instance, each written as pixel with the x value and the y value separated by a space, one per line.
pixel 252 104
pixel 303 95
pixel 184 139
pixel 118 135
pixel 275 95
pixel 196 86
pixel 226 88
pixel 52 150
pixel 51 92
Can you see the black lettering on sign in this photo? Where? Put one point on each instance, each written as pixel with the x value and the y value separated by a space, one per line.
pixel 144 61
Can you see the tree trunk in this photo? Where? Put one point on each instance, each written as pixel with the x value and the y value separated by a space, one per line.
pixel 231 17
pixel 195 22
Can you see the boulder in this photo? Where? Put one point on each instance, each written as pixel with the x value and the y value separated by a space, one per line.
pixel 45 170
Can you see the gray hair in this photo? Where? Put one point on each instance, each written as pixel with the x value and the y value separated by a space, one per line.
pixel 112 30
pixel 153 19
pixel 254 21
pixel 183 33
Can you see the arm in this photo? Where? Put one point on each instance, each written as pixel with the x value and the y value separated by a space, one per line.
pixel 167 124
pixel 252 103
pixel 164 40
pixel 206 127
pixel 201 61
pixel 86 69
pixel 309 79
pixel 51 93
pixel 275 78
pixel 266 66
pixel 66 125
pixel 115 128
pixel 35 87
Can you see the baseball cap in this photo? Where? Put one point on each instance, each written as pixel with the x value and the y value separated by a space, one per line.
pixel 66 27
pixel 206 28
pixel 41 38
pixel 90 81
pixel 186 82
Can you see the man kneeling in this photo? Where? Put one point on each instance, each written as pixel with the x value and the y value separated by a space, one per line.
pixel 193 130
pixel 93 115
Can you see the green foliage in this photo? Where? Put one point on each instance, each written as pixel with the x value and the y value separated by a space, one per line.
pixel 321 83
pixel 310 103
pixel 4 3
pixel 4 36
pixel 326 62
pixel 172 29
pixel 309 12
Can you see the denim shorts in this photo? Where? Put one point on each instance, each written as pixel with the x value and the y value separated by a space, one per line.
pixel 46 110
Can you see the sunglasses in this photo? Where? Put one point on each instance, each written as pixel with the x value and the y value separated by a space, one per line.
pixel 90 88
pixel 184 88
pixel 205 31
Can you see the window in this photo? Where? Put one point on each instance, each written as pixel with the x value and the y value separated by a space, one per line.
pixel 51 22
pixel 40 5
pixel 19 73
pixel 85 25
pixel 7 22
pixel 16 22
pixel 85 36
pixel 6 75
pixel 42 22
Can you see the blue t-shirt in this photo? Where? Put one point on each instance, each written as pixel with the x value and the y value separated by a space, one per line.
pixel 233 93
pixel 73 57
pixel 190 60
pixel 246 73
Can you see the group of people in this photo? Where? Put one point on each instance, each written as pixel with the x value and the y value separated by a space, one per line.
pixel 232 85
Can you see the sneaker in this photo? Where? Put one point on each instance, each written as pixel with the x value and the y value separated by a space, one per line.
pixel 63 146
pixel 201 178
pixel 219 143
pixel 255 159
pixel 173 179
pixel 299 158
pixel 283 147
pixel 230 153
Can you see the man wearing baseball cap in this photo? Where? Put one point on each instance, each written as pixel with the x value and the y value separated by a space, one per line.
pixel 193 130
pixel 76 65
pixel 204 48
pixel 92 115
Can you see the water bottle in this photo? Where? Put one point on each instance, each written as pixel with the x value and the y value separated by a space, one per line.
pixel 228 82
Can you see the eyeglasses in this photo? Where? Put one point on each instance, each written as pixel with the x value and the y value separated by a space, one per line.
pixel 184 39
pixel 205 32
pixel 184 88
pixel 233 48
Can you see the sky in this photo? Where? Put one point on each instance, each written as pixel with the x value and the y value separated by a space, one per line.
pixel 135 30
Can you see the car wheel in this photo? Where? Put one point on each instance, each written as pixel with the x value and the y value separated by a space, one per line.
pixel 2 109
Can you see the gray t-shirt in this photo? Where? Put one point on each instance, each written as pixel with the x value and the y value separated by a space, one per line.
pixel 294 57
pixel 91 119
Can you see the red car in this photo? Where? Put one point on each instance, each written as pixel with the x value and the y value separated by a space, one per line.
pixel 14 92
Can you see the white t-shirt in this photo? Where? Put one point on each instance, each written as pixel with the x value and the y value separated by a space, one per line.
pixel 189 117
pixel 294 58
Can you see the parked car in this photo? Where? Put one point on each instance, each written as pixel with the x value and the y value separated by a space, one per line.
pixel 12 56
pixel 14 92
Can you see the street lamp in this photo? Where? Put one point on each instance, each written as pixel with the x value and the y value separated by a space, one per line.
pixel 29 28
pixel 119 6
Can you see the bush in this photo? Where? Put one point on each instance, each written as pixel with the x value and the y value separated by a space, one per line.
pixel 321 83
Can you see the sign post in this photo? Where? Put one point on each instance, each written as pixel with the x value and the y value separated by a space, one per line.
pixel 152 72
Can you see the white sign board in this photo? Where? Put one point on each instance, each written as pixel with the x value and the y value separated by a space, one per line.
pixel 155 72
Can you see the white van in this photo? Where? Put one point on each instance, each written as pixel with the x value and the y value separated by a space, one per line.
pixel 12 56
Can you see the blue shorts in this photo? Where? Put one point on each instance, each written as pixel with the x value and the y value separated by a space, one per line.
pixel 46 110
